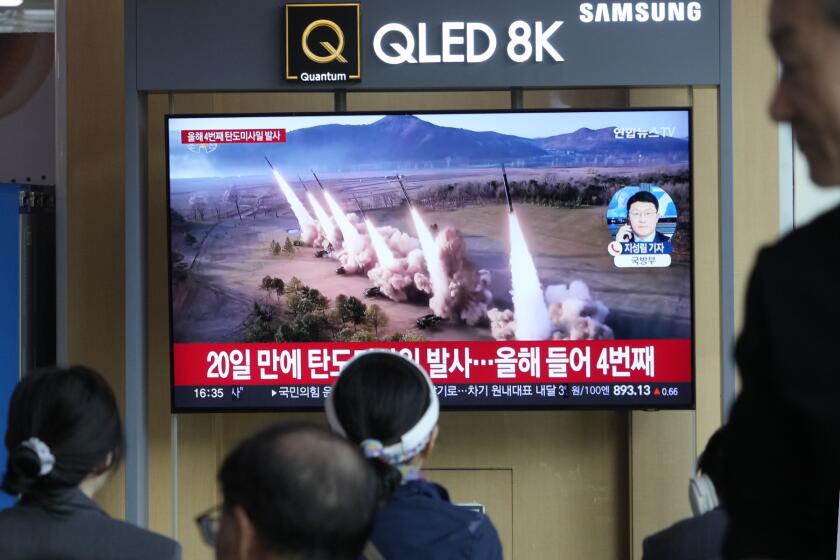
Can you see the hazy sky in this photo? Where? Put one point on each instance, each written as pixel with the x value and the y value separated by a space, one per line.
pixel 527 125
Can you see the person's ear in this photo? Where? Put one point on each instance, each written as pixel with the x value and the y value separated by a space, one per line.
pixel 246 542
pixel 427 451
pixel 106 464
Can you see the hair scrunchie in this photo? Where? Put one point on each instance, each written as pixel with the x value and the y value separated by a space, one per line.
pixel 42 450
pixel 373 449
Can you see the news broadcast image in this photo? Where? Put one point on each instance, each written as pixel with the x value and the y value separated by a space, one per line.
pixel 526 259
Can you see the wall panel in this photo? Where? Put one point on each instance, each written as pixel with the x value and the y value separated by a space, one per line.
pixel 95 201
pixel 707 266
pixel 160 458
pixel 576 98
pixel 427 101
pixel 755 141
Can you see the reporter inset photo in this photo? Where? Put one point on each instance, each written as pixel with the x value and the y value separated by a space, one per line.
pixel 639 214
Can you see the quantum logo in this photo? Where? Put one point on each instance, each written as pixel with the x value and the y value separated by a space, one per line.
pixel 334 51
pixel 323 42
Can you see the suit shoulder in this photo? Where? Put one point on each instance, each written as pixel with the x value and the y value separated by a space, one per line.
pixel 84 533
pixel 147 543
pixel 820 232
pixel 695 537
pixel 15 517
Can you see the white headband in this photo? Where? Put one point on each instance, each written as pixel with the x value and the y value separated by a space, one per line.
pixel 42 450
pixel 415 439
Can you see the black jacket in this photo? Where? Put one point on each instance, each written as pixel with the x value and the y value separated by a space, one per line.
pixel 67 525
pixel 695 538
pixel 420 523
pixel 784 445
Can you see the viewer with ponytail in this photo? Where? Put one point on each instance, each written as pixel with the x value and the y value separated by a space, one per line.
pixel 64 439
pixel 386 404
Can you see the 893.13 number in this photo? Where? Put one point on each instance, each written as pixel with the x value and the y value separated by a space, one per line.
pixel 631 390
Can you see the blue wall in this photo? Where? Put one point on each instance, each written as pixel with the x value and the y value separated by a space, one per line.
pixel 9 310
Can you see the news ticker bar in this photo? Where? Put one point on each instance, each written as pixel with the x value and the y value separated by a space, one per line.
pixel 557 395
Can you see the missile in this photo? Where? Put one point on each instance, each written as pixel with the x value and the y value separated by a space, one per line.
pixel 319 181
pixel 507 189
pixel 405 194
pixel 303 185
pixel 360 207
pixel 269 163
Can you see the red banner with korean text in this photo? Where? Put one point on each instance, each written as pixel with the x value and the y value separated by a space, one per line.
pixel 234 136
pixel 603 361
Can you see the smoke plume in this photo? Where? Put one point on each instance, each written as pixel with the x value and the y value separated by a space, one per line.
pixel 574 315
pixel 468 296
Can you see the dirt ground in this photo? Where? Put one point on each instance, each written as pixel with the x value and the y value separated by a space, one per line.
pixel 567 244
pixel 225 278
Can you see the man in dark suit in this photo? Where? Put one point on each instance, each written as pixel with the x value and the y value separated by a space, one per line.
pixel 699 537
pixel 642 217
pixel 784 475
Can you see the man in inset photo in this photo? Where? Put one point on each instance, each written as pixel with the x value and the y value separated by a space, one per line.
pixel 642 217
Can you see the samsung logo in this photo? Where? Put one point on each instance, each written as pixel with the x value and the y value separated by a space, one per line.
pixel 640 12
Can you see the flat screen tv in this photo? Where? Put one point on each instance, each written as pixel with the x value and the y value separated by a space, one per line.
pixel 527 259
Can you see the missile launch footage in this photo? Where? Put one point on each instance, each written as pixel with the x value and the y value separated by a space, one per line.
pixel 544 226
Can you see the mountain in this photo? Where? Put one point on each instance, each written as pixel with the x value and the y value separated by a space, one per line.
pixel 584 139
pixel 603 141
pixel 407 139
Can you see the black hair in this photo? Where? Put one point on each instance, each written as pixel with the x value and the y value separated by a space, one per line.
pixel 642 196
pixel 712 461
pixel 308 492
pixel 832 7
pixel 380 396
pixel 75 413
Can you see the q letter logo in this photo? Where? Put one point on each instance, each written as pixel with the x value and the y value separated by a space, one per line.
pixel 334 51
pixel 323 42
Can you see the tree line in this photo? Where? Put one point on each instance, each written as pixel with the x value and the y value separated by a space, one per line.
pixel 301 313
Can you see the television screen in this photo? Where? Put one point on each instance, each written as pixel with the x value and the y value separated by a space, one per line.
pixel 527 259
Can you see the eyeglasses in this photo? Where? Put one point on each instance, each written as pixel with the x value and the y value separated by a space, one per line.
pixel 643 214
pixel 208 524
